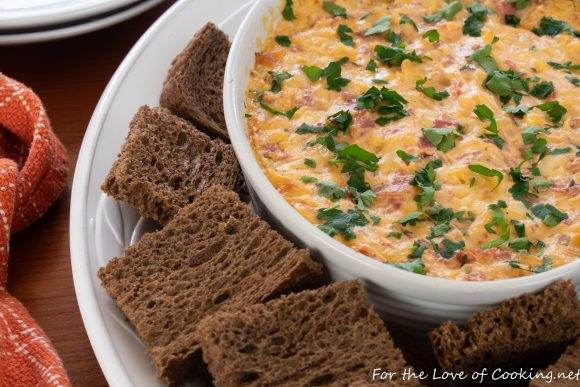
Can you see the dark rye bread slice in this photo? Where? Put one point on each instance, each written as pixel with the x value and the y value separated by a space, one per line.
pixel 565 371
pixel 213 255
pixel 524 331
pixel 194 83
pixel 327 336
pixel 165 162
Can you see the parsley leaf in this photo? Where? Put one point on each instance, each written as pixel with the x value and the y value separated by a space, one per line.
pixel 447 247
pixel 333 9
pixel 518 111
pixel 430 91
pixel 442 138
pixel 448 13
pixel 394 56
pixel 309 162
pixel 339 222
pixel 542 89
pixel 332 72
pixel 372 65
pixel 288 113
pixel 340 120
pixel 308 179
pixel 411 218
pixel 277 78
pixel 380 26
pixel 474 22
pixel 354 157
pixel 520 228
pixel 362 199
pixel 343 32
pixel 568 66
pixel 313 73
pixel 552 27
pixel 283 40
pixel 485 171
pixel 484 59
pixel 512 20
pixel 545 266
pixel 330 190
pixel 520 4
pixel 520 188
pixel 288 12
pixel 497 220
pixel 431 35
pixel 389 104
pixel 573 80
pixel 560 151
pixel 485 113
pixel 554 109
pixel 520 244
pixel 407 158
pixel 404 19
pixel 414 265
pixel 417 250
pixel 549 214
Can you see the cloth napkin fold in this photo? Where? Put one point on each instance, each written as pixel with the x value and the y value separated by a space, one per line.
pixel 33 173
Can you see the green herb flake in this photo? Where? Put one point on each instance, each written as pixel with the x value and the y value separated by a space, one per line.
pixel 498 225
pixel 448 13
pixel 447 247
pixel 484 59
pixel 474 23
pixel 549 214
pixel 404 19
pixel 484 113
pixel 520 228
pixel 442 138
pixel 343 32
pixel 389 104
pixel 512 20
pixel 551 27
pixel 338 222
pixel 382 25
pixel 554 110
pixel 333 9
pixel 407 158
pixel 277 78
pixel 333 73
pixel 542 89
pixel 520 244
pixel 573 80
pixel 411 219
pixel 567 66
pixel 431 35
pixel 283 40
pixel 488 172
pixel 414 265
pixel 430 91
pixel 520 4
pixel 288 113
pixel 308 179
pixel 394 56
pixel 330 190
pixel 313 73
pixel 310 162
pixel 372 65
pixel 288 12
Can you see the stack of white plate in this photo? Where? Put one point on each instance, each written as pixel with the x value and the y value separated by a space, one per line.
pixel 27 21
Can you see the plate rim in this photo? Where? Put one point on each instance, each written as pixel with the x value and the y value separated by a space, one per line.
pixel 101 343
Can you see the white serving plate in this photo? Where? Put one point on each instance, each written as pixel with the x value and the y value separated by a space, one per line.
pixel 414 300
pixel 74 27
pixel 100 228
pixel 33 13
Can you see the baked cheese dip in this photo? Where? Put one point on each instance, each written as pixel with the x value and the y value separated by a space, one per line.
pixel 439 137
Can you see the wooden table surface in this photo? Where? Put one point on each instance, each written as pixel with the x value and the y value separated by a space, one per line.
pixel 69 76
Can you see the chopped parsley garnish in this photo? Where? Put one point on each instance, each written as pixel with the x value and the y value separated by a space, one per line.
pixel 308 179
pixel 380 26
pixel 417 250
pixel 404 19
pixel 277 78
pixel 372 65
pixel 542 89
pixel 438 230
pixel 520 228
pixel 431 35
pixel 309 162
pixel 333 9
pixel 549 214
pixel 554 110
pixel 512 20
pixel 332 73
pixel 414 265
pixel 362 199
pixel 506 84
pixel 488 172
pixel 412 218
pixel 568 66
pixel 339 222
pixel 447 248
pixel 484 113
pixel 473 24
pixel 288 12
pixel 521 187
pixel 283 40
pixel 288 113
pixel 343 32
pixel 518 111
pixel 442 138
pixel 573 80
pixel 330 190
pixel 407 158
pixel 520 4
pixel 394 56
pixel 484 59
pixel 560 151
pixel 430 91
pixel 354 157
pixel 520 244
pixel 498 225
pixel 341 120
pixel 448 13
pixel 552 27
pixel 313 73
pixel 389 104
pixel 545 266
pixel 424 179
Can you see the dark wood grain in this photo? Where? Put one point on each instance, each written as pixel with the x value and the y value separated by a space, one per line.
pixel 69 76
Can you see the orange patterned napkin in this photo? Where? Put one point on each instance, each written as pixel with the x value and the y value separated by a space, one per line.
pixel 33 173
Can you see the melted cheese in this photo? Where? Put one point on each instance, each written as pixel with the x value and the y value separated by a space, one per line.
pixel 281 152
